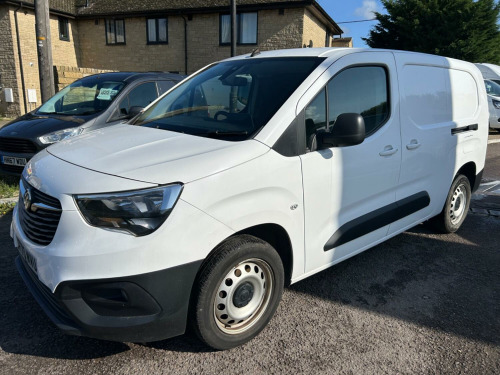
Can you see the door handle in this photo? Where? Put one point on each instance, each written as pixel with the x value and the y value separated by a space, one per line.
pixel 413 145
pixel 388 151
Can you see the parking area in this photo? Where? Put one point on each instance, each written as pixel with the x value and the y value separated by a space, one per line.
pixel 419 303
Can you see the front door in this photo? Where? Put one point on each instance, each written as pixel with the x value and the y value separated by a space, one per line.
pixel 349 192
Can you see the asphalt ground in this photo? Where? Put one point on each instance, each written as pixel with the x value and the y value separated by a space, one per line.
pixel 420 303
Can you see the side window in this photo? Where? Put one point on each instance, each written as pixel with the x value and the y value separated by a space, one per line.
pixel 315 116
pixel 164 86
pixel 63 29
pixel 141 96
pixel 360 90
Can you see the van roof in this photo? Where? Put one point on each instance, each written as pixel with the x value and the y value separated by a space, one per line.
pixel 327 52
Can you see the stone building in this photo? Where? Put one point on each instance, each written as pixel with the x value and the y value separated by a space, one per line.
pixel 89 36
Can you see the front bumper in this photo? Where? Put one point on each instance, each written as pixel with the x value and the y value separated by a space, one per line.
pixel 147 307
pixel 106 284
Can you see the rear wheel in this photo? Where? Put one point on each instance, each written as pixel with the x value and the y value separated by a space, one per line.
pixel 456 207
pixel 239 289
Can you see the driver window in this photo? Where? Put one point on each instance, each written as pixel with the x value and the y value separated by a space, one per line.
pixel 140 96
pixel 360 90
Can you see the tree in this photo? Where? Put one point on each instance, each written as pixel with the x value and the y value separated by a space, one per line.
pixel 462 29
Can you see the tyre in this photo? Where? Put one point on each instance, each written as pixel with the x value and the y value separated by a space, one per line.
pixel 238 290
pixel 456 207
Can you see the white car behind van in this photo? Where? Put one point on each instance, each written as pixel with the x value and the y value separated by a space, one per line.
pixel 253 173
pixel 491 75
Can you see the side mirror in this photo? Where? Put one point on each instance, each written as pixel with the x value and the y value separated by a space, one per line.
pixel 349 130
pixel 134 111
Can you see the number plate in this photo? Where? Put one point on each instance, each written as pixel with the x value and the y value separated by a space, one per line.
pixel 10 160
pixel 28 258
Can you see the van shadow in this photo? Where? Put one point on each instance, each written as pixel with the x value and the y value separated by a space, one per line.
pixel 24 327
pixel 444 282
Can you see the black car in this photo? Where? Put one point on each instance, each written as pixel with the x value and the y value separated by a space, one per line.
pixel 88 104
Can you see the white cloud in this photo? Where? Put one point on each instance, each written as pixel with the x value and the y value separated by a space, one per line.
pixel 346 30
pixel 366 10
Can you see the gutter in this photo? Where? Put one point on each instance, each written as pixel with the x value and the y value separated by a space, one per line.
pixel 23 84
pixel 185 46
pixel 198 10
pixel 31 6
pixel 336 28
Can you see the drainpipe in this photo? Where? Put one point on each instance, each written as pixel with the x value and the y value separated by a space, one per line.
pixel 185 46
pixel 20 57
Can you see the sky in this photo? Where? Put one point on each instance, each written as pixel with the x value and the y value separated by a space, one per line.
pixel 353 10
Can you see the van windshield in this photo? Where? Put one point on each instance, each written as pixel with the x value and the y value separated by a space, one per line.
pixel 83 97
pixel 230 100
pixel 492 88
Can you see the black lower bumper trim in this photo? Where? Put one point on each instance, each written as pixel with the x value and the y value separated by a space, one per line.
pixel 477 181
pixel 144 308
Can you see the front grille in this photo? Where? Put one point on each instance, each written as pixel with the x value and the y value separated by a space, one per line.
pixel 39 226
pixel 17 145
pixel 12 168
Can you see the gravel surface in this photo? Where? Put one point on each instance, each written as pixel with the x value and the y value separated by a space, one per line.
pixel 420 303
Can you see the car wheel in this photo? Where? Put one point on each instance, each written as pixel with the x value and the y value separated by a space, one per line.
pixel 456 207
pixel 238 290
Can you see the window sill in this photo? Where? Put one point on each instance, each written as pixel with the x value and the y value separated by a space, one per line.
pixel 238 44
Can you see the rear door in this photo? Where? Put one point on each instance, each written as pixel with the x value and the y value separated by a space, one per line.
pixel 348 191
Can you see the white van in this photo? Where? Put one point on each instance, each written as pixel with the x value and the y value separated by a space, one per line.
pixel 253 173
pixel 493 91
pixel 491 75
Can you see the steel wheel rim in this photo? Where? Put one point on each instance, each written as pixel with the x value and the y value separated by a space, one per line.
pixel 458 204
pixel 249 283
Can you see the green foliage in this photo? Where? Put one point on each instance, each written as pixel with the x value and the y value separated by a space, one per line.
pixel 462 29
pixel 5 208
pixel 9 186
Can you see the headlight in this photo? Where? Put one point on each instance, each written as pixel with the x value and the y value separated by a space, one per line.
pixel 139 212
pixel 496 103
pixel 60 135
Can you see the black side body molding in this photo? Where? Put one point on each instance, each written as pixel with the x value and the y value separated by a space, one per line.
pixel 378 219
pixel 464 129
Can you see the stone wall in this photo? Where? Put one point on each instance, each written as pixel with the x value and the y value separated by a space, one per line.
pixel 342 42
pixel 275 31
pixel 65 75
pixel 136 54
pixel 63 53
pixel 8 78
pixel 314 31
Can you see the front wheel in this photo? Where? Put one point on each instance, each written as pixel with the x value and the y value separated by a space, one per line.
pixel 238 291
pixel 456 206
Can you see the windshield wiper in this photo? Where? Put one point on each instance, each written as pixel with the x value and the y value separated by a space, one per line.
pixel 215 133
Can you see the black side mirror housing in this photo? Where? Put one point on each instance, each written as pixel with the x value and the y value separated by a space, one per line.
pixel 134 111
pixel 349 130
